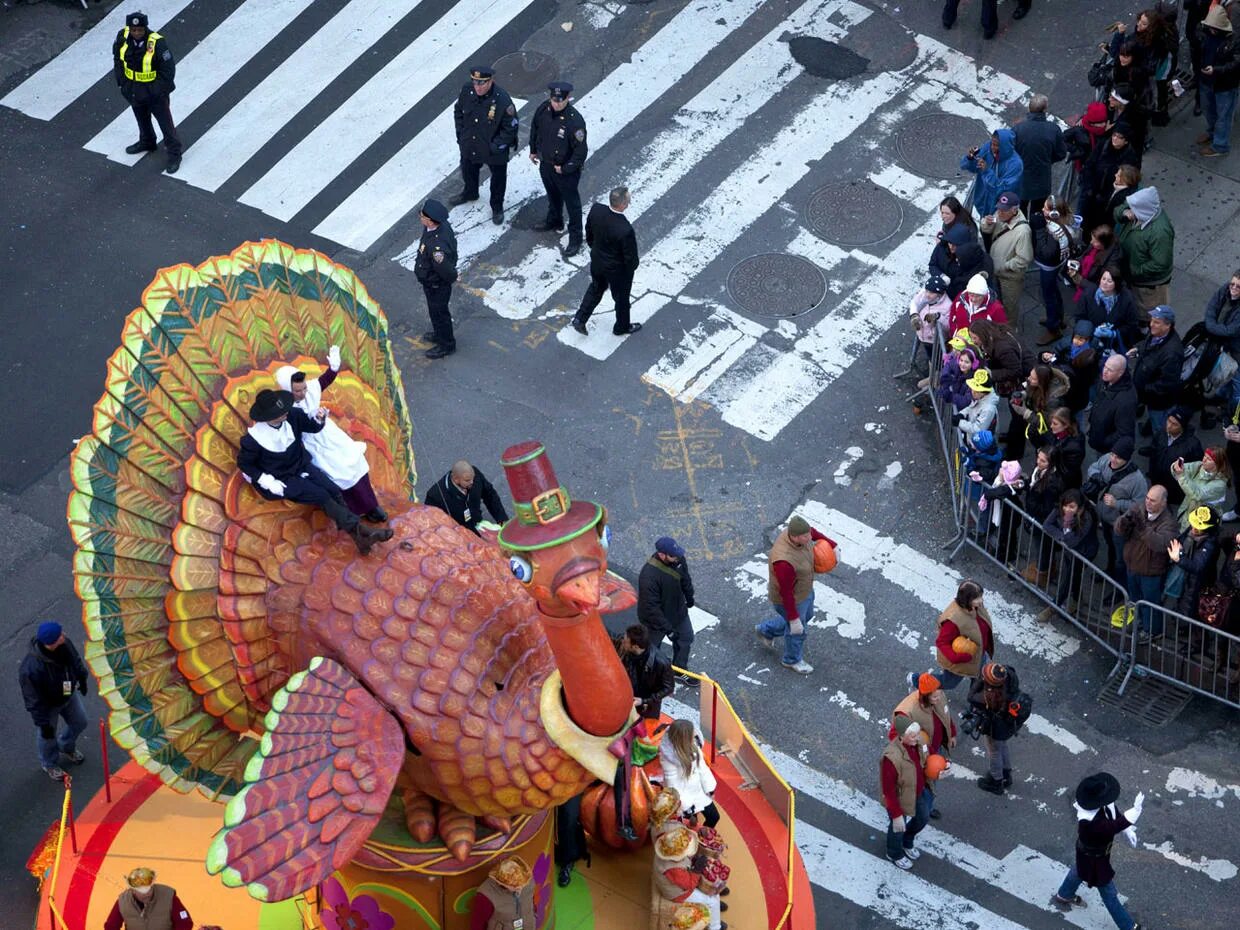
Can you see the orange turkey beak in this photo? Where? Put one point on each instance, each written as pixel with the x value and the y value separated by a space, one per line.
pixel 577 583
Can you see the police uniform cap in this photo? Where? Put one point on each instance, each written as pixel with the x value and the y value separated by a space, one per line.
pixel 559 89
pixel 137 19
pixel 435 211
pixel 481 72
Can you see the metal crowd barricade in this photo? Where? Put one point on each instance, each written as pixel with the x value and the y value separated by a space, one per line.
pixel 1189 653
pixel 949 443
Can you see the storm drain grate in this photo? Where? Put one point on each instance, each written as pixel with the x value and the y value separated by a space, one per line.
pixel 777 285
pixel 1151 700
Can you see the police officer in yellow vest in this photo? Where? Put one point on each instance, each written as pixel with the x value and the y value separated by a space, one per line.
pixel 145 70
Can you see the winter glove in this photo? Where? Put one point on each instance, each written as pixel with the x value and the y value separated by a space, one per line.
pixel 271 484
pixel 796 627
pixel 333 358
pixel 1134 812
pixel 897 824
pixel 47 731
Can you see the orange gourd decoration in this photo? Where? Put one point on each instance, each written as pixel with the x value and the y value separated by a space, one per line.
pixel 824 557
pixel 964 644
pixel 936 765
pixel 598 812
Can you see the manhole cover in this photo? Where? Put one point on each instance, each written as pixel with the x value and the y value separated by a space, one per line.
pixel 931 145
pixel 854 213
pixel 526 74
pixel 1150 700
pixel 777 285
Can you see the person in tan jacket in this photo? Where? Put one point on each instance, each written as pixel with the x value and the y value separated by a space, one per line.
pixel 1010 240
pixel 902 787
pixel 927 706
pixel 791 591
pixel 965 617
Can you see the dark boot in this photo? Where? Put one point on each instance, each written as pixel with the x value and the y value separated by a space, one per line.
pixel 375 534
pixel 1007 778
pixel 378 515
pixel 572 248
pixel 993 785
pixel 363 542
pixel 565 878
pixel 549 225
pixel 139 147
pixel 429 336
pixel 457 199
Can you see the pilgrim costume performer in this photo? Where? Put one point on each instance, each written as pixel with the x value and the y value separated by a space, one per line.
pixel 273 458
pixel 332 450
pixel 1097 823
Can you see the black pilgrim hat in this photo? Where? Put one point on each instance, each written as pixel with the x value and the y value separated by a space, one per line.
pixel 1097 791
pixel 270 405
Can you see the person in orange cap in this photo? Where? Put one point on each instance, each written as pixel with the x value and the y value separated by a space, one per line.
pixel 928 706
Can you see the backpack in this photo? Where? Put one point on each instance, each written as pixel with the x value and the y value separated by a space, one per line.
pixel 1021 707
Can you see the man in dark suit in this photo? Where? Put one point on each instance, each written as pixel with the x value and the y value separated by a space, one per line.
pixel 613 259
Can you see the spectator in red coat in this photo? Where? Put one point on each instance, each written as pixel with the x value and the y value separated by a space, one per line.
pixel 975 303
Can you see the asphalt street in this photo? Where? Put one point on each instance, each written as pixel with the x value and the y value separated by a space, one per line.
pixel 745 129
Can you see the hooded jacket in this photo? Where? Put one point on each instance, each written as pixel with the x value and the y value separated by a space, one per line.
pixel 48 679
pixel 963 315
pixel 1199 487
pixel 999 175
pixel 1220 51
pixel 979 415
pixel 970 258
pixel 1127 485
pixel 1098 179
pixel 1148 243
pixel 1040 144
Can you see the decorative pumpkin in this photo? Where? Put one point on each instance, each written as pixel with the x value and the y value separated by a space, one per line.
pixel 936 765
pixel 824 557
pixel 964 644
pixel 598 812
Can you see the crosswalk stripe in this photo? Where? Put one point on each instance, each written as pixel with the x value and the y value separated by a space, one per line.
pixel 378 104
pixel 697 130
pixel 278 98
pixel 656 66
pixel 208 66
pixel 707 350
pixel 75 70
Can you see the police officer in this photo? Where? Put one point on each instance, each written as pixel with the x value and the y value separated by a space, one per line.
pixel 145 70
pixel 486 132
pixel 558 147
pixel 435 267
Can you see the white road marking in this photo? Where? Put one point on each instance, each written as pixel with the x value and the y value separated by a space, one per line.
pixel 701 126
pixel 207 67
pixel 284 93
pixel 1043 727
pixel 658 65
pixel 1199 785
pixel 852 455
pixel 705 352
pixel 75 70
pixel 701 619
pixel 1220 870
pixel 337 141
pixel 934 583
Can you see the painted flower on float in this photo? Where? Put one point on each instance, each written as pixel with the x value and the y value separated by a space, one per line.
pixel 360 913
pixel 542 888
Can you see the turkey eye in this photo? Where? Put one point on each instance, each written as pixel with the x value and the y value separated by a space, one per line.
pixel 604 537
pixel 521 569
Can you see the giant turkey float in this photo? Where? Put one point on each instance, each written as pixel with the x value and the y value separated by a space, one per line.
pixel 321 738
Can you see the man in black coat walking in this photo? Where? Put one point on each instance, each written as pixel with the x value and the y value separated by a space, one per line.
pixel 435 268
pixel 486 133
pixel 145 71
pixel 613 259
pixel 664 596
pixel 1098 822
pixel 1039 143
pixel 53 680
pixel 558 147
pixel 461 493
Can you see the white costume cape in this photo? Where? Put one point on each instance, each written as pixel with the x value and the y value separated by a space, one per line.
pixel 342 458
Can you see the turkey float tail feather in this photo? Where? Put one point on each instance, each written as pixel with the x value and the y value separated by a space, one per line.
pixel 175 553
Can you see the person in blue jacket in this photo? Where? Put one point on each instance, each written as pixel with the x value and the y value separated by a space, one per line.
pixel 998 169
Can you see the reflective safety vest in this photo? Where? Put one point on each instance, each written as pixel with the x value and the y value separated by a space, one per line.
pixel 146 75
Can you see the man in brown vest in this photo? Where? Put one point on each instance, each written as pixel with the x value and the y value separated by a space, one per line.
pixel 790 587
pixel 965 640
pixel 145 905
pixel 928 707
pixel 902 784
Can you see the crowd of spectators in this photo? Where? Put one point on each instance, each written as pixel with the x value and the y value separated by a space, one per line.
pixel 1090 427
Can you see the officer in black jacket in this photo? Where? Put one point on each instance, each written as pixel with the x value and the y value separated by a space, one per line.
pixel 486 132
pixel 51 675
pixel 145 71
pixel 435 267
pixel 558 147
pixel 462 492
pixel 613 259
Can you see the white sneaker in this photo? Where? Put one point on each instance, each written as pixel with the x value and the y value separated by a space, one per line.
pixel 904 862
pixel 912 853
pixel 802 667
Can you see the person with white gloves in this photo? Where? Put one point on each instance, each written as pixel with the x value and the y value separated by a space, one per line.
pixel 273 458
pixel 1097 823
pixel 338 455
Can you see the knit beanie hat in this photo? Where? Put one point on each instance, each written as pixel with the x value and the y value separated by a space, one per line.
pixel 905 724
pixel 48 632
pixel 994 674
pixel 798 526
pixel 927 683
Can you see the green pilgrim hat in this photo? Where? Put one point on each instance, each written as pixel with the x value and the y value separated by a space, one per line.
pixel 546 516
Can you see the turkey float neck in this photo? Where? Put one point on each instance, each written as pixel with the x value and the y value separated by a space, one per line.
pixel 596 687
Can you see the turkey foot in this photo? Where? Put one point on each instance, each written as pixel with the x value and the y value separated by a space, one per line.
pixel 427 818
